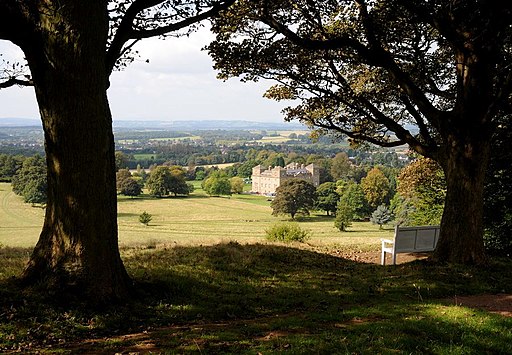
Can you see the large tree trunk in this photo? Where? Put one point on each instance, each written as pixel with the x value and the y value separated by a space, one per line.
pixel 461 239
pixel 78 245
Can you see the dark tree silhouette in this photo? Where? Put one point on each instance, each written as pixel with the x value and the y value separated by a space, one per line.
pixel 71 48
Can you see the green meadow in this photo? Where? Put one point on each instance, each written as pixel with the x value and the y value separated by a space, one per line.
pixel 194 220
pixel 206 281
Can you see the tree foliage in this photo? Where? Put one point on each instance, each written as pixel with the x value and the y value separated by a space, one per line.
pixel 9 165
pixel 376 187
pixel 237 185
pixel 30 180
pixel 498 193
pixel 431 74
pixel 130 187
pixel 217 185
pixel 423 188
pixel 145 218
pixel 341 167
pixel 164 180
pixel 344 216
pixel 327 198
pixel 353 196
pixel 294 196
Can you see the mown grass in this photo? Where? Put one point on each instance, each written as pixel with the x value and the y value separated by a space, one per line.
pixel 194 220
pixel 233 298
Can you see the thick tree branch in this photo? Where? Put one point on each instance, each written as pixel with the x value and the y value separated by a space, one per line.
pixel 387 62
pixel 216 8
pixel 331 126
pixel 126 31
pixel 13 24
pixel 15 81
pixel 374 55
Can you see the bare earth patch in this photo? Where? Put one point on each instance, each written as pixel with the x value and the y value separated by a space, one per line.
pixel 498 304
pixel 373 257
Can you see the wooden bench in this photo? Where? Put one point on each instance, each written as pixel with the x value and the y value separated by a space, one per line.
pixel 410 240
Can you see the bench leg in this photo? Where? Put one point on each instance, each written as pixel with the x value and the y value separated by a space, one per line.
pixel 383 258
pixel 394 258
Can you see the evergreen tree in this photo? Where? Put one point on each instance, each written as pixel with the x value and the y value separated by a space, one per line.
pixel 382 215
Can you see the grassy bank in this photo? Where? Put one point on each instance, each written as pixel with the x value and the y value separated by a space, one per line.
pixel 233 298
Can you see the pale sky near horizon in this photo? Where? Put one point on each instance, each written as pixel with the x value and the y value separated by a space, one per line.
pixel 178 83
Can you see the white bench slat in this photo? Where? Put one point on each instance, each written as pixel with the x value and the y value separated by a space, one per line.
pixel 410 240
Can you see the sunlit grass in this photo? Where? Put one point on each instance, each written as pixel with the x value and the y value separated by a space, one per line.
pixel 194 220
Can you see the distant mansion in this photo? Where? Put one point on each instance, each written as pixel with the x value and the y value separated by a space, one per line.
pixel 267 180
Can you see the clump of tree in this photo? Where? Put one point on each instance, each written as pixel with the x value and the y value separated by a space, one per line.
pixel 344 216
pixel 352 195
pixel 237 185
pixel 126 183
pixel 9 165
pixel 327 198
pixel 30 180
pixel 421 193
pixel 294 196
pixel 165 180
pixel 217 184
pixel 287 232
pixel 376 187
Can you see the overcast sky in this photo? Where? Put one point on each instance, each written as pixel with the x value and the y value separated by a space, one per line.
pixel 177 84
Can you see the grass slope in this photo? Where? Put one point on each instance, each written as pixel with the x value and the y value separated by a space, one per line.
pixel 247 299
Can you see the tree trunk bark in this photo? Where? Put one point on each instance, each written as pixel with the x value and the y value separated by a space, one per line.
pixel 461 238
pixel 78 245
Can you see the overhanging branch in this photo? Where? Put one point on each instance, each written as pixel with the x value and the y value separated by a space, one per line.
pixel 126 31
pixel 15 82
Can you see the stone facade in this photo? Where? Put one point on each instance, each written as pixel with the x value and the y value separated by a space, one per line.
pixel 267 180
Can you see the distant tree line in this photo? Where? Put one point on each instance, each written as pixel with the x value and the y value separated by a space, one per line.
pixel 194 154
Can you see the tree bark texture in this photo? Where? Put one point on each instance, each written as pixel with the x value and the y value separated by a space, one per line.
pixel 78 245
pixel 461 238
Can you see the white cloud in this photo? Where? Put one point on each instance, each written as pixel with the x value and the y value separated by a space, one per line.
pixel 178 83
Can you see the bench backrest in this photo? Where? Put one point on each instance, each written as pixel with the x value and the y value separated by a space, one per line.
pixel 416 239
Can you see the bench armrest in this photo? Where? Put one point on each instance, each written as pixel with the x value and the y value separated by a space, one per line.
pixel 387 241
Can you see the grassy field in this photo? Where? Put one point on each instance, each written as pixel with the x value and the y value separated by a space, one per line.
pixel 207 282
pixel 194 220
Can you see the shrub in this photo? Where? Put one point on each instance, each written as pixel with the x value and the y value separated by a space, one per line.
pixel 145 218
pixel 287 232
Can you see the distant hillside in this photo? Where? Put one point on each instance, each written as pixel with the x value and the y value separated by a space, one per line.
pixel 208 125
pixel 19 122
pixel 173 125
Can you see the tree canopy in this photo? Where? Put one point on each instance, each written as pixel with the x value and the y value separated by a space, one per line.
pixel 435 75
pixel 294 196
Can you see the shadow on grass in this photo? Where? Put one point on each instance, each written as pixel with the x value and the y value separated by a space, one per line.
pixel 233 298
